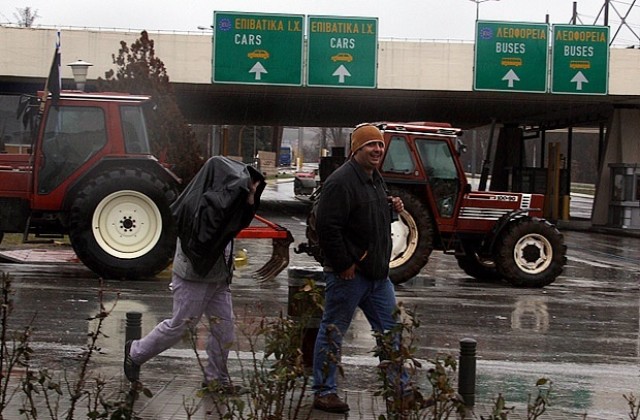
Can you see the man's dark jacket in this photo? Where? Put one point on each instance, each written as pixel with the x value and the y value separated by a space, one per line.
pixel 353 221
pixel 213 209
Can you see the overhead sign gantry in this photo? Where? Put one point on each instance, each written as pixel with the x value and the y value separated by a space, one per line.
pixel 514 57
pixel 268 49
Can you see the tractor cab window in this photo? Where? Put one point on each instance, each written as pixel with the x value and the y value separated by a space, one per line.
pixel 72 136
pixel 398 158
pixel 134 130
pixel 439 165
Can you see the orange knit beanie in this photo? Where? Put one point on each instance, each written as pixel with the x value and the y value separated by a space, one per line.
pixel 364 134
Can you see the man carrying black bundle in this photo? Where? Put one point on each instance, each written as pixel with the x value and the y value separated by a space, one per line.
pixel 219 202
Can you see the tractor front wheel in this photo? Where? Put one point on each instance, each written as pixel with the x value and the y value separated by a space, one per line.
pixel 531 253
pixel 121 224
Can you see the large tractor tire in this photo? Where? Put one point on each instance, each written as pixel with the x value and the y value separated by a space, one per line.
pixel 412 236
pixel 478 267
pixel 530 253
pixel 121 225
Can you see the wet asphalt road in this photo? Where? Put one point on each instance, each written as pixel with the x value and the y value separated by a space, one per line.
pixel 582 331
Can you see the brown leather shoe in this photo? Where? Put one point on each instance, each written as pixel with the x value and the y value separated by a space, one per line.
pixel 131 368
pixel 330 403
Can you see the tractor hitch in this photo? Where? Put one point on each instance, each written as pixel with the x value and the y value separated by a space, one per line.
pixel 281 239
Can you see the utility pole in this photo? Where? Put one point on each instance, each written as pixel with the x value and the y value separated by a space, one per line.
pixel 477 2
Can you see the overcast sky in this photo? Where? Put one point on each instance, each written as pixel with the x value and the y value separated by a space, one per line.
pixel 410 19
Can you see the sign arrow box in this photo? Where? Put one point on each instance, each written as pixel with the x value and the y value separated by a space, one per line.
pixel 511 77
pixel 341 72
pixel 257 48
pixel 258 69
pixel 579 79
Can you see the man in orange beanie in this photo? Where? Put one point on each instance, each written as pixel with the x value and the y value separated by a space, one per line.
pixel 354 230
pixel 365 134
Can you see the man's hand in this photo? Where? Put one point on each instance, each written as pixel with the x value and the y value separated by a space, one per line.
pixel 253 186
pixel 349 273
pixel 397 204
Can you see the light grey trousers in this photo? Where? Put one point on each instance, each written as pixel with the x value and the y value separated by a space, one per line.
pixel 191 300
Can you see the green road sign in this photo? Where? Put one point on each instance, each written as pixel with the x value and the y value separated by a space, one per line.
pixel 342 52
pixel 511 56
pixel 252 48
pixel 580 59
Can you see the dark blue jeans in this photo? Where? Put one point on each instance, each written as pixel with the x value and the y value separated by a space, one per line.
pixel 378 303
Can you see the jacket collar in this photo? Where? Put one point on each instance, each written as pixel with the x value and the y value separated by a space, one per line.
pixel 362 175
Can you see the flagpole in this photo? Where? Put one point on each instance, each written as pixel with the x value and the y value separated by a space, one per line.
pixel 53 83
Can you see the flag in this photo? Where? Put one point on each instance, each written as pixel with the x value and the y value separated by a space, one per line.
pixel 54 81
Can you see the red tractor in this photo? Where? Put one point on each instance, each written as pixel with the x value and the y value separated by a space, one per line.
pixel 90 174
pixel 492 234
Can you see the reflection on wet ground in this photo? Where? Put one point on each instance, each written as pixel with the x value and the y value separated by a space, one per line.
pixel 582 332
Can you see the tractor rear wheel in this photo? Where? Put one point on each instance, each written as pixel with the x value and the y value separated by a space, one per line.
pixel 412 238
pixel 531 253
pixel 477 267
pixel 121 224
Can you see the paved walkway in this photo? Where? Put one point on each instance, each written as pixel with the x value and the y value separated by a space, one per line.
pixel 173 394
pixel 173 378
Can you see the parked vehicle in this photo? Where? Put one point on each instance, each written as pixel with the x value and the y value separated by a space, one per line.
pixel 286 156
pixel 305 182
pixel 492 234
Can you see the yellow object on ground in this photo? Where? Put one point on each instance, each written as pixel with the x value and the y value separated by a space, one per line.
pixel 240 259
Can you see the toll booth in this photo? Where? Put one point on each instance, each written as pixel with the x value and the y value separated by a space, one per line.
pixel 624 207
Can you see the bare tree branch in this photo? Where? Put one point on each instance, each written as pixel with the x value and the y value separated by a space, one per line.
pixel 26 17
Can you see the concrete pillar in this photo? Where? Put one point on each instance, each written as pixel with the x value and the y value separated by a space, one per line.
pixel 621 146
pixel 508 153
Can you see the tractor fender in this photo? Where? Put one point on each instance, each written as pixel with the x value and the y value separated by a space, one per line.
pixel 489 242
pixel 146 163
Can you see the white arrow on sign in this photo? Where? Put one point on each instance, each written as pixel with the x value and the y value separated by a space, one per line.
pixel 258 69
pixel 511 77
pixel 579 79
pixel 341 72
